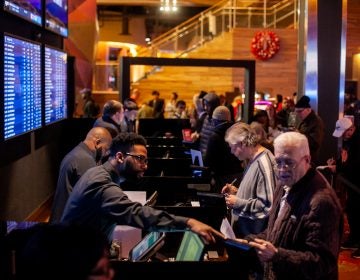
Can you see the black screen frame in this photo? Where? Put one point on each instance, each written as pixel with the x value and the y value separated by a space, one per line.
pixel 41 23
pixel 66 115
pixel 56 30
pixel 2 84
pixel 151 250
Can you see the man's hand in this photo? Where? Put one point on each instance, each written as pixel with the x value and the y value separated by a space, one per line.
pixel 264 249
pixel 204 230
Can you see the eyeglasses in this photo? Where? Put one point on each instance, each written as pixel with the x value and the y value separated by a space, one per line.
pixel 140 158
pixel 286 164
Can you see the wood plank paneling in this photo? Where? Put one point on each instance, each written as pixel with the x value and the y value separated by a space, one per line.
pixel 277 75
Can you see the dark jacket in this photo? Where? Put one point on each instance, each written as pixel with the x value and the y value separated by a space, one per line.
pixel 72 167
pixel 218 156
pixel 350 168
pixel 109 124
pixel 98 201
pixel 158 108
pixel 308 237
pixel 313 128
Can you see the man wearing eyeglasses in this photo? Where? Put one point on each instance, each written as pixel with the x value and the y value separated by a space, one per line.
pixel 302 239
pixel 98 200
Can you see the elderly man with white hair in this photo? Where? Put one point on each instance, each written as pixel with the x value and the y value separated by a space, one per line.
pixel 302 239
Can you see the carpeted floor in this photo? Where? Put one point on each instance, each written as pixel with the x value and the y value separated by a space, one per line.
pixel 349 268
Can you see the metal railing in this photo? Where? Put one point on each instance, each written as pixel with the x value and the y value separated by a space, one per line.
pixel 222 17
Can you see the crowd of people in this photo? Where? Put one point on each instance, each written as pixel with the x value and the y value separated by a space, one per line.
pixel 280 204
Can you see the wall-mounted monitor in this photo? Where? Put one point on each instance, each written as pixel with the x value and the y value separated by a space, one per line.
pixel 30 10
pixel 22 86
pixel 55 77
pixel 56 16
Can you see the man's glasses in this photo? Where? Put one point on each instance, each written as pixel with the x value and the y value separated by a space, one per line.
pixel 140 158
pixel 286 164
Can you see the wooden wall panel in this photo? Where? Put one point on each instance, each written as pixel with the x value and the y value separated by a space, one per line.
pixel 353 28
pixel 277 75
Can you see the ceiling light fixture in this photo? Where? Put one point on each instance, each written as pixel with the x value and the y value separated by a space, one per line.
pixel 168 5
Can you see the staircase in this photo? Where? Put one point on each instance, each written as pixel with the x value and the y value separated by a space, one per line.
pixel 210 35
pixel 222 17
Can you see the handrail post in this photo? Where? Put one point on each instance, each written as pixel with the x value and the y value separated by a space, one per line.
pixel 275 18
pixel 176 39
pixel 234 10
pixel 202 28
pixel 249 17
pixel 295 12
pixel 264 20
pixel 223 22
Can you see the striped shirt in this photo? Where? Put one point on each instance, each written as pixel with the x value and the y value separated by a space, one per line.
pixel 255 193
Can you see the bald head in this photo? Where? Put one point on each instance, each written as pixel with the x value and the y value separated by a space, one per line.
pixel 98 138
pixel 99 133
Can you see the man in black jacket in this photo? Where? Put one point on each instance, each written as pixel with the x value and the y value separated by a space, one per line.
pixel 85 155
pixel 99 202
pixel 347 168
pixel 311 125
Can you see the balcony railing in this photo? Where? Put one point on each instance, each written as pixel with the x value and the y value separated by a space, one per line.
pixel 222 17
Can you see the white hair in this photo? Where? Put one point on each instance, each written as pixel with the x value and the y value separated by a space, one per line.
pixel 295 140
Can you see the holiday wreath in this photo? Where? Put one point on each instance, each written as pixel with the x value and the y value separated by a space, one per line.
pixel 265 44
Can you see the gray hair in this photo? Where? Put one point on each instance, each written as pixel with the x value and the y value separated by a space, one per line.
pixel 259 130
pixel 295 140
pixel 241 133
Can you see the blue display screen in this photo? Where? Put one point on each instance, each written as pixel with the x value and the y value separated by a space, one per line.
pixel 56 16
pixel 55 85
pixel 27 9
pixel 22 86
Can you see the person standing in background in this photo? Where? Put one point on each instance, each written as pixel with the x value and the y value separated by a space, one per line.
pixel 347 168
pixel 157 104
pixel 311 125
pixel 90 108
pixel 224 166
pixel 180 110
pixel 210 102
pixel 135 95
pixel 170 107
pixel 112 116
pixel 130 114
pixel 197 117
pixel 85 155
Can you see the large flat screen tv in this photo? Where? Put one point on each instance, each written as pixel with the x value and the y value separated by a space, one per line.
pixel 22 86
pixel 55 76
pixel 56 16
pixel 30 10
